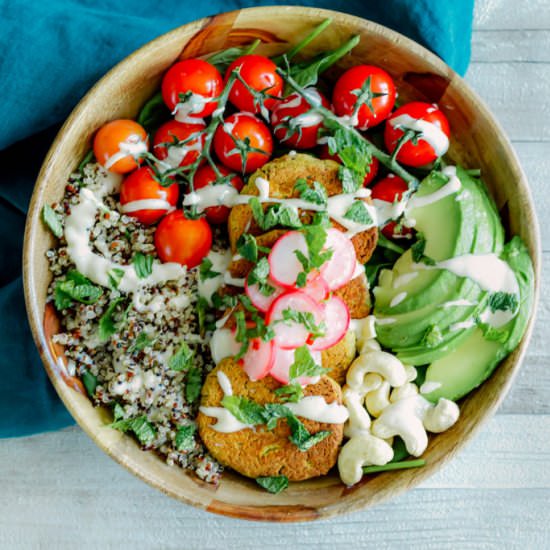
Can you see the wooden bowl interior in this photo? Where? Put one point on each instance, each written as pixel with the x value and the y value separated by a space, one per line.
pixel 477 142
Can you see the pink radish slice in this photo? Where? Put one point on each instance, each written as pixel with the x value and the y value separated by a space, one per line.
pixel 263 303
pixel 289 334
pixel 317 288
pixel 281 366
pixel 336 320
pixel 258 360
pixel 340 268
pixel 283 263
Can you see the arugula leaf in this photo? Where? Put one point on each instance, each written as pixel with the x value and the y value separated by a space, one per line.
pixel 273 484
pixel 90 382
pixel 107 326
pixel 222 60
pixel 88 157
pixel 306 319
pixel 503 301
pixel 386 243
pixel 247 247
pixel 206 271
pixel 291 393
pixel 303 43
pixel 359 213
pixel 52 220
pixel 153 113
pixel 143 265
pixel 185 438
pixel 142 341
pixel 244 410
pixel 432 337
pixel 115 276
pixel 316 195
pixel 193 385
pixel 182 359
pixel 394 466
pixel 75 287
pixel 304 365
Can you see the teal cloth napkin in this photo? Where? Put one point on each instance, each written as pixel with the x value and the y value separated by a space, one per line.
pixel 52 52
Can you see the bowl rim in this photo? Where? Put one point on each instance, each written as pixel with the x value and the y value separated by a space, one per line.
pixel 354 503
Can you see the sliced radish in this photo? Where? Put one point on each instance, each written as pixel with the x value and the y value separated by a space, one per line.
pixel 337 319
pixel 258 360
pixel 259 300
pixel 289 334
pixel 283 263
pixel 340 268
pixel 317 288
pixel 281 366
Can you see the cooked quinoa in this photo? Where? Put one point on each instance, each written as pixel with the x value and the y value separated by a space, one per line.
pixel 156 319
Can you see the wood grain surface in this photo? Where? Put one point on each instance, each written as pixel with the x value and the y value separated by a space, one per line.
pixel 60 491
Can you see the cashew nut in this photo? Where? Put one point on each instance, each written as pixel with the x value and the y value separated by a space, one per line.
pixel 359 421
pixel 377 400
pixel 385 364
pixel 411 373
pixel 402 392
pixel 404 419
pixel 441 417
pixel 360 451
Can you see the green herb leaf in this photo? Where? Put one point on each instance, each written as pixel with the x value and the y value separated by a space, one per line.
pixel 154 113
pixel 288 216
pixel 317 194
pixel 141 342
pixel 503 301
pixel 306 319
pixel 193 385
pixel 291 393
pixel 206 271
pixel 143 265
pixel 359 213
pixel 223 59
pixel 107 325
pixel 417 251
pixel 247 247
pixel 258 275
pixel 52 220
pixel 75 287
pixel 88 157
pixel 304 365
pixel 202 307
pixel 244 410
pixel 182 359
pixel 115 276
pixel 90 382
pixel 394 466
pixel 273 484
pixel 140 427
pixel 185 438
pixel 311 441
pixel 118 411
pixel 300 435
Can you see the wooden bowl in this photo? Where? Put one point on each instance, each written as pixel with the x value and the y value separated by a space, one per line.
pixel 478 142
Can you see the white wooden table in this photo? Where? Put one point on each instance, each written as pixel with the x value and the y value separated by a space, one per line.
pixel 59 491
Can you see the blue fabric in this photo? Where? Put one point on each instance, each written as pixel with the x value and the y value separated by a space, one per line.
pixel 52 52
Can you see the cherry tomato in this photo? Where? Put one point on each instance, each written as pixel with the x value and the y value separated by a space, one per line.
pixel 119 144
pixel 391 189
pixel 260 74
pixel 183 155
pixel 324 153
pixel 207 176
pixel 425 118
pixel 350 86
pixel 181 240
pixel 298 127
pixel 250 132
pixel 140 188
pixel 200 78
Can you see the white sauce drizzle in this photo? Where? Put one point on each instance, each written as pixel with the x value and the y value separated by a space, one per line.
pixel 452 186
pixel 398 298
pixel 220 262
pixel 146 204
pixel 457 303
pixel 402 280
pixel 386 321
pixel 223 344
pixel 469 323
pixel 431 134
pixel 314 407
pixel 429 387
pixel 133 145
pixel 193 105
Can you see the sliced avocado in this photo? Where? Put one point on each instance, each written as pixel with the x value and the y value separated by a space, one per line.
pixel 473 361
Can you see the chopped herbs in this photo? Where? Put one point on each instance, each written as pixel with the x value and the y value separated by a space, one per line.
pixel 206 271
pixel 244 410
pixel 273 484
pixel 316 194
pixel 143 265
pixel 316 236
pixel 359 213
pixel 301 437
pixel 193 384
pixel 182 359
pixel 291 393
pixel 141 342
pixel 90 382
pixel 75 287
pixel 304 365
pixel 274 215
pixel 139 426
pixel 107 325
pixel 115 276
pixel 52 220
pixel 305 318
pixel 247 247
pixel 185 438
pixel 417 251
pixel 503 301
pixel 258 275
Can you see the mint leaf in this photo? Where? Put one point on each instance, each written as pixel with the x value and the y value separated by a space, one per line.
pixel 359 213
pixel 273 484
pixel 107 325
pixel 258 275
pixel 193 384
pixel 247 247
pixel 306 319
pixel 52 220
pixel 185 438
pixel 503 301
pixel 304 365
pixel 291 393
pixel 142 341
pixel 115 276
pixel 90 383
pixel 300 435
pixel 75 287
pixel 288 216
pixel 182 359
pixel 417 251
pixel 206 271
pixel 244 410
pixel 316 195
pixel 143 265
pixel 306 444
pixel 140 427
